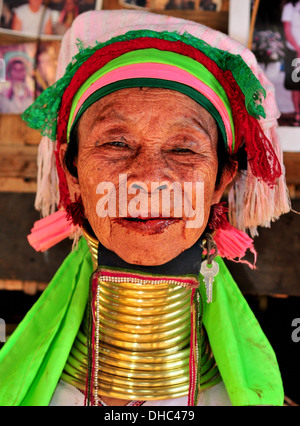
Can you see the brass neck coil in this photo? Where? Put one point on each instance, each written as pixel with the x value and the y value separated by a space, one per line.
pixel 142 342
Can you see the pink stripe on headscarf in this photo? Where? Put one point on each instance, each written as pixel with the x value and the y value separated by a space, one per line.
pixel 159 71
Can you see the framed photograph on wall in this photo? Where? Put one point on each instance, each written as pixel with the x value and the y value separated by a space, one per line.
pixel 29 69
pixel 17 89
pixel 135 4
pixel 45 65
pixel 196 5
pixel 276 45
pixel 275 30
pixel 45 18
pixel 269 45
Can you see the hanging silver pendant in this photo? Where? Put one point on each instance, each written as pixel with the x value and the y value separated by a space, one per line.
pixel 209 272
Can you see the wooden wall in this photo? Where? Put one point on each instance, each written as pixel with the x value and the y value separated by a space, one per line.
pixel 216 20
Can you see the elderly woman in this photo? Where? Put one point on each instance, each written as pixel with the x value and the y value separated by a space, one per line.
pixel 150 120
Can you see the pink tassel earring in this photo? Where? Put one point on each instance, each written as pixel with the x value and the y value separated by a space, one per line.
pixel 51 230
pixel 232 243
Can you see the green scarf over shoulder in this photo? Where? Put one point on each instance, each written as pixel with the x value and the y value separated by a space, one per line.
pixel 34 357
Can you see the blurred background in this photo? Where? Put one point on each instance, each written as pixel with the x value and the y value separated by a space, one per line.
pixel 28 58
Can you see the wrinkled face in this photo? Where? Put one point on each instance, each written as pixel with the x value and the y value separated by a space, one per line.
pixel 147 161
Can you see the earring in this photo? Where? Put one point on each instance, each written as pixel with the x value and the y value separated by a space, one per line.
pixel 75 212
pixel 217 217
pixel 232 243
pixel 209 267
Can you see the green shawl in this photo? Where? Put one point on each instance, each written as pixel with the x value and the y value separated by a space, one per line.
pixel 34 357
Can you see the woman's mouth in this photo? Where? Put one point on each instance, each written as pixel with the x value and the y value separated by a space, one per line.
pixel 147 225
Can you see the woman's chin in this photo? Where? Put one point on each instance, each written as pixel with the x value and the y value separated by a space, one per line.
pixel 150 244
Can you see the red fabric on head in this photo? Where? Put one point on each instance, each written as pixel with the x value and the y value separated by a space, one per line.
pixel 65 199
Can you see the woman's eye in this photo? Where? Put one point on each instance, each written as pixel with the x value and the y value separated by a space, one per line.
pixel 183 151
pixel 117 144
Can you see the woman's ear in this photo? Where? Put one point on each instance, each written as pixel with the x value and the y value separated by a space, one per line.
pixel 227 177
pixel 72 181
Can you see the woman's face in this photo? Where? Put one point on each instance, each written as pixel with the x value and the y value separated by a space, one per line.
pixel 134 145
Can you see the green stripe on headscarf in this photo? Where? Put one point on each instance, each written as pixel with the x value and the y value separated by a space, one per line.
pixel 161 57
pixel 43 113
pixel 153 82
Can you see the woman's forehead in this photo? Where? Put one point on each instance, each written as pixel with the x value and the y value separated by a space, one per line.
pixel 146 103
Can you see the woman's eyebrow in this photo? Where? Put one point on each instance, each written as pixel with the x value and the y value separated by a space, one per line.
pixel 196 123
pixel 109 113
pixel 201 126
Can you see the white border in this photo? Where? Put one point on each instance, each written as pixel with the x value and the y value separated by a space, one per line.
pixel 98 4
pixel 289 138
pixel 238 28
pixel 239 20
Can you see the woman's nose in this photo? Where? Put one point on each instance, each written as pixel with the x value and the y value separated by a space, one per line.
pixel 148 166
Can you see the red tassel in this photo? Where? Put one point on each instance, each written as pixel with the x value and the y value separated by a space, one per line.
pixel 231 242
pixel 192 361
pixel 89 391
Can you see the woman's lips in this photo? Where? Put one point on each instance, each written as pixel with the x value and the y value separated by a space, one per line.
pixel 147 225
